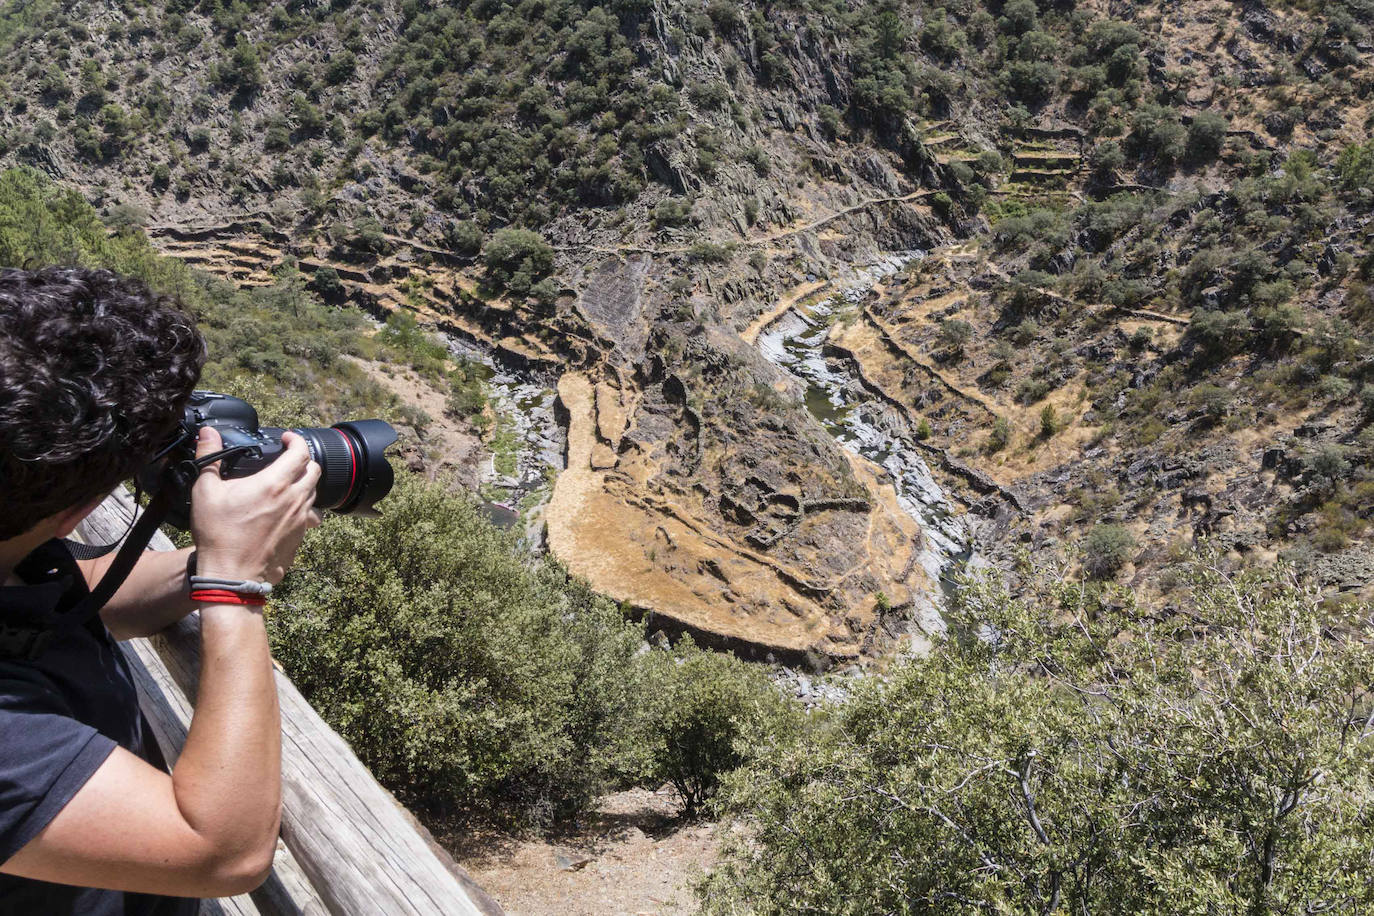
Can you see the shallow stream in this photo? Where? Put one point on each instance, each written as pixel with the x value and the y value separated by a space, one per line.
pixel 865 424
pixel 527 445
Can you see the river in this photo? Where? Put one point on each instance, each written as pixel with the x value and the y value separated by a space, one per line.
pixel 527 445
pixel 866 425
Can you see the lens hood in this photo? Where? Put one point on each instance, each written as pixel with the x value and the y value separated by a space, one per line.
pixel 371 438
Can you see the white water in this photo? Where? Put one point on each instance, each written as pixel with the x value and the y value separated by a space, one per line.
pixel 866 425
pixel 525 406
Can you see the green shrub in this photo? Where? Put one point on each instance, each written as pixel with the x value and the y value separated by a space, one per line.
pixel 1105 158
pixel 466 237
pixel 467 390
pixel 326 282
pixel 1031 81
pixel 1355 170
pixel 415 344
pixel 672 211
pixel 1157 135
pixel 1000 435
pixel 463 675
pixel 710 252
pixel 1049 421
pixel 1220 334
pixel 517 259
pixel 1105 550
pixel 1206 134
pixel 954 334
pixel 1212 400
pixel 1081 755
pixel 703 711
pixel 364 234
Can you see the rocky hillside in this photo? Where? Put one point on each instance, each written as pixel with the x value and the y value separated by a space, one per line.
pixel 1132 313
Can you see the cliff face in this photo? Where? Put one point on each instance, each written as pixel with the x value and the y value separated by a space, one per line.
pixel 1117 227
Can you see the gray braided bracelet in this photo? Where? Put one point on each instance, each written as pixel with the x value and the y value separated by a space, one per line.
pixel 241 586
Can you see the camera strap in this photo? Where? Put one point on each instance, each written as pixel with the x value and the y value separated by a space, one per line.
pixel 28 641
pixel 83 551
pixel 134 544
pixel 178 477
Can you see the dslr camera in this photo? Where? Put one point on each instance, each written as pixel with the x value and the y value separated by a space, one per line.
pixel 355 473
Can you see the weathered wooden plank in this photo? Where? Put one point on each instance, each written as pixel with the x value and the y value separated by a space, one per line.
pixel 361 851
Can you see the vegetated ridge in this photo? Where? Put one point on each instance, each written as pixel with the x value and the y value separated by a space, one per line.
pixel 1139 323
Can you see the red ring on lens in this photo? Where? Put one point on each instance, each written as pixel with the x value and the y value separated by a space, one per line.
pixel 353 457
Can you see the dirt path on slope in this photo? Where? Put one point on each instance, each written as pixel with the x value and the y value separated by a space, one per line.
pixel 774 236
pixel 795 295
pixel 630 857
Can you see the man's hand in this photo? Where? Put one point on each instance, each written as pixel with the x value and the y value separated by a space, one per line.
pixel 250 527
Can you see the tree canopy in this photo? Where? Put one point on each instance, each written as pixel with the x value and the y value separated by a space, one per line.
pixel 1067 752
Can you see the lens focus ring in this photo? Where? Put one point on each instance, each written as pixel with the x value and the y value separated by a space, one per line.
pixel 337 462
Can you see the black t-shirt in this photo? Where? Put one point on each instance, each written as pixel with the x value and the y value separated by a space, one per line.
pixel 61 716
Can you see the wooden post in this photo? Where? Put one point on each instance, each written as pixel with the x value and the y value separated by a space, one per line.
pixel 352 849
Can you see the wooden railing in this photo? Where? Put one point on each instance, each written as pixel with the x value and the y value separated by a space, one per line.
pixel 347 846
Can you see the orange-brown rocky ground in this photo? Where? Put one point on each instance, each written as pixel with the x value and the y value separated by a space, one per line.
pixel 611 521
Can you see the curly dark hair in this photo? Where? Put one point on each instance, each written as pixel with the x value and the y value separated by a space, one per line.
pixel 95 371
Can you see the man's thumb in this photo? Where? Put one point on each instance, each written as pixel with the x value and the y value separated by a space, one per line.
pixel 207 443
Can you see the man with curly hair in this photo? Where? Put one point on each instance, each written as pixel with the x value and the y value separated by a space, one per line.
pixel 95 371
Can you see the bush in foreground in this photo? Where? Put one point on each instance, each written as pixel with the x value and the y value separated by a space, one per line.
pixel 1081 756
pixel 702 708
pixel 463 675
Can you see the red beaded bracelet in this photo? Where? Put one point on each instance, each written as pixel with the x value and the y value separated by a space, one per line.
pixel 224 596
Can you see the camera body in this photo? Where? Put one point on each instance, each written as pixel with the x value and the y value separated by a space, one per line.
pixel 354 470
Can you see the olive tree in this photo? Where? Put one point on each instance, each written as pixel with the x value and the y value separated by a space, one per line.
pixel 1065 751
pixel 464 675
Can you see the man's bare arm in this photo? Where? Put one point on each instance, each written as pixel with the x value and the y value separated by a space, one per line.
pixel 210 828
pixel 154 597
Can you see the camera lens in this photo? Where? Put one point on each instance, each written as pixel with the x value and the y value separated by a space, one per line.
pixel 355 473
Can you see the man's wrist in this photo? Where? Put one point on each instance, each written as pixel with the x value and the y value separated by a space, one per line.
pixel 212 567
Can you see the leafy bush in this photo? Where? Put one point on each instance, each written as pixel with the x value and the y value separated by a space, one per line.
pixel 1105 550
pixel 999 436
pixel 1080 756
pixel 467 390
pixel 673 211
pixel 1220 334
pixel 364 234
pixel 1031 81
pixel 704 709
pixel 1355 170
pixel 1105 158
pixel 419 347
pixel 1049 421
pixel 465 237
pixel 954 335
pixel 517 259
pixel 1157 135
pixel 1213 401
pixel 1206 134
pixel 461 674
pixel 710 252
